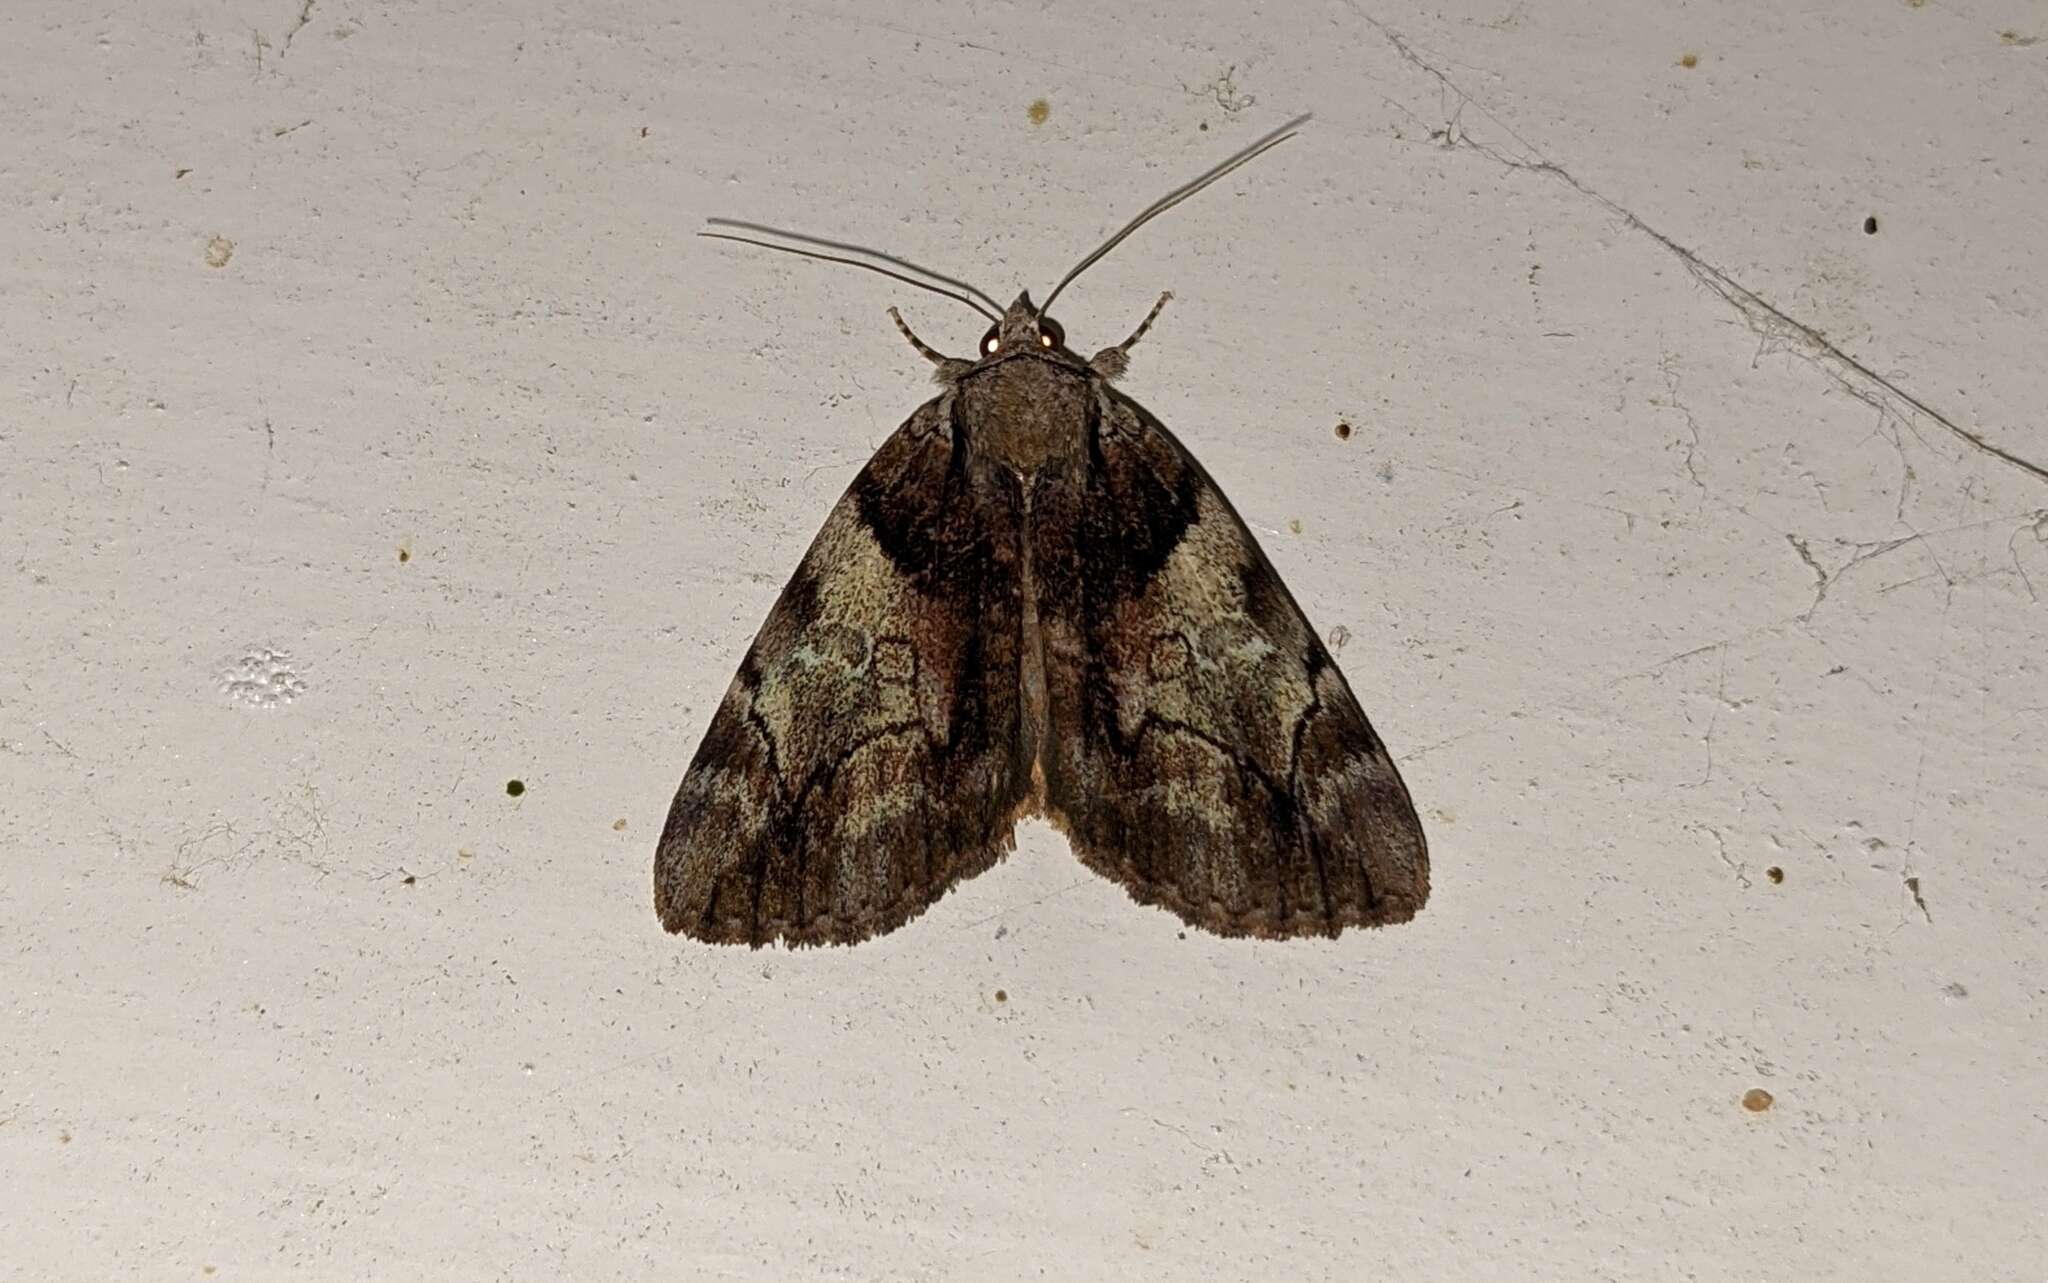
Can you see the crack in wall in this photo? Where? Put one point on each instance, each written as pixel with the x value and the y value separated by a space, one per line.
pixel 305 16
pixel 1770 322
pixel 1739 869
pixel 1861 552
pixel 1721 701
pixel 1669 367
pixel 1820 591
pixel 2039 526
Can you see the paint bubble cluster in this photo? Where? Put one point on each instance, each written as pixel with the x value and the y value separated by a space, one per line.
pixel 261 677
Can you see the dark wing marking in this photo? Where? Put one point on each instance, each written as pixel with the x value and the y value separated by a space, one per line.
pixel 867 755
pixel 1202 748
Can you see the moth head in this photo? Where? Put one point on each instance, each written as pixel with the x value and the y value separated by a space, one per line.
pixel 1021 329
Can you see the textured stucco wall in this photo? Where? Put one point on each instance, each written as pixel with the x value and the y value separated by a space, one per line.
pixel 362 354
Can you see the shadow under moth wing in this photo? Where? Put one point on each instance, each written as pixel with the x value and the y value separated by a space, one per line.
pixel 1202 748
pixel 867 755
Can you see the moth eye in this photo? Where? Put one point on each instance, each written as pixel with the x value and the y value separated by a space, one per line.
pixel 1045 340
pixel 1050 334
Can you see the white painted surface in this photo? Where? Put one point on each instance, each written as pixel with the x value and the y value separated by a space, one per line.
pixel 1647 591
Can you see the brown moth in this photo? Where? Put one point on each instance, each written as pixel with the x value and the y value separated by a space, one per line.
pixel 1034 601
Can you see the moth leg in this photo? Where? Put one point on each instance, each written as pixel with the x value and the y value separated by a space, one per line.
pixel 1111 362
pixel 950 367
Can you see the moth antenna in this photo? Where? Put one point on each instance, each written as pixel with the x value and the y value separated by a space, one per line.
pixel 924 349
pixel 1175 197
pixel 950 367
pixel 949 286
pixel 1111 362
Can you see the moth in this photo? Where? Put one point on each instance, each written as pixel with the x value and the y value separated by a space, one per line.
pixel 1033 601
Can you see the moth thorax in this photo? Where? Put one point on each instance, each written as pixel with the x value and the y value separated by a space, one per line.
pixel 1025 414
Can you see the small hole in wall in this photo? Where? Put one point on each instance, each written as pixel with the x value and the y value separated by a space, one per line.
pixel 1870 225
